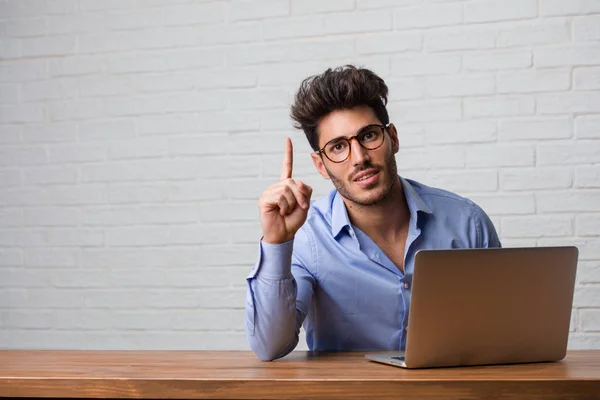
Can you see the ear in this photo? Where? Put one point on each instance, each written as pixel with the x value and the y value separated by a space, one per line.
pixel 318 163
pixel 394 137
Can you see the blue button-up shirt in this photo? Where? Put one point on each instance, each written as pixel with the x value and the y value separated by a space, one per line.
pixel 337 282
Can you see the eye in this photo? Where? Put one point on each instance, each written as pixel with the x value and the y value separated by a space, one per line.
pixel 337 147
pixel 369 135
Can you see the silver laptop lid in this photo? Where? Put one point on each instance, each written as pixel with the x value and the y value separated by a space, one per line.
pixel 490 306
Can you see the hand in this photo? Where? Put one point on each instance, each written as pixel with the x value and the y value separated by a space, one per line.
pixel 284 205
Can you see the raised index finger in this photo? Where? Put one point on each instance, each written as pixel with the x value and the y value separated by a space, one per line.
pixel 288 160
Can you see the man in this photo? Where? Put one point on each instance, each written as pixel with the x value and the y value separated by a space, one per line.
pixel 343 264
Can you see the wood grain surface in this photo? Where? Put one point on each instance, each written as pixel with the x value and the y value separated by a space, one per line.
pixel 300 375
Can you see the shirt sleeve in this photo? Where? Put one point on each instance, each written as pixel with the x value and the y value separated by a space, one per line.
pixel 278 297
pixel 486 232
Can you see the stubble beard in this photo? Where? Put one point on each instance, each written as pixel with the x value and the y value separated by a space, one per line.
pixel 342 188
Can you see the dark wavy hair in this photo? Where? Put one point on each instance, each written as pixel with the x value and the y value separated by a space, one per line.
pixel 341 88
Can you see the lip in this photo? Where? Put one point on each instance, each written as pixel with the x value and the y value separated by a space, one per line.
pixel 362 174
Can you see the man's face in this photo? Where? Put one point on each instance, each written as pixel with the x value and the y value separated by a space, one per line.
pixel 367 176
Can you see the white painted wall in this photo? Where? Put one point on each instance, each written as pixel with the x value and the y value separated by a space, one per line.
pixel 137 135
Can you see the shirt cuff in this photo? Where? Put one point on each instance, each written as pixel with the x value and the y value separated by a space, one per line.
pixel 275 262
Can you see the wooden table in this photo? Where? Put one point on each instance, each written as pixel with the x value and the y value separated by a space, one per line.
pixel 300 375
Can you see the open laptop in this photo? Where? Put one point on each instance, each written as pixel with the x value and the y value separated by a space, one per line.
pixel 488 306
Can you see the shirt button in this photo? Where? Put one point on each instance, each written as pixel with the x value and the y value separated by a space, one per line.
pixel 406 285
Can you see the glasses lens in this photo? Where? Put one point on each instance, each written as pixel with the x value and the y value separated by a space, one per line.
pixel 337 150
pixel 371 138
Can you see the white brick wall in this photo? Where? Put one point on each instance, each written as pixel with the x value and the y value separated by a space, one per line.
pixel 135 138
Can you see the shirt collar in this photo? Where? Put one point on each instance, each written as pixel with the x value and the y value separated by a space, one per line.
pixel 339 214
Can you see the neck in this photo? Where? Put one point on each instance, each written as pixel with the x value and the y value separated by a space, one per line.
pixel 385 220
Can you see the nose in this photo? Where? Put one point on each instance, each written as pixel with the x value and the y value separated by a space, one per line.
pixel 358 154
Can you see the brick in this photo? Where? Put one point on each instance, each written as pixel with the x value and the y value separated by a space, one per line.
pixel 506 204
pixel 108 216
pixel 138 148
pixel 11 257
pixel 460 86
pixel 234 33
pixel 182 102
pixel 106 86
pixel 76 109
pixel 76 23
pixel 10 134
pixel 573 201
pixel 474 131
pixel 424 17
pixel 462 182
pixel 568 55
pixel 500 10
pixel 300 7
pixel 572 7
pixel 535 178
pixel 135 19
pixel 165 83
pixel 76 65
pixel 537 226
pixel 534 32
pixel 532 129
pixel 217 234
pixel 107 130
pixel 241 100
pixel 287 28
pixel 10 178
pixel 167 215
pixel 23 156
pixel 23 71
pixel 167 124
pixel 486 156
pixel 498 106
pixel 588 225
pixel 587 127
pixel 586 296
pixel 586 78
pixel 588 272
pixel 247 9
pixel 9 94
pixel 22 113
pixel 50 258
pixel 55 89
pixel 406 89
pixel 586 28
pixel 82 194
pixel 50 133
pixel 50 175
pixel 388 43
pixel 534 81
pixel 426 111
pixel 369 4
pixel 234 210
pixel 464 39
pixel 589 248
pixel 287 74
pixel 577 102
pixel 137 193
pixel 11 49
pixel 76 153
pixel 431 158
pixel 580 152
pixel 194 191
pixel 228 78
pixel 48 46
pixel 140 62
pixel 587 177
pixel 116 236
pixel 19 28
pixel 50 217
pixel 357 22
pixel 590 320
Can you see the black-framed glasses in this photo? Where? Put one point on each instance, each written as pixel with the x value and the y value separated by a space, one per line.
pixel 369 137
